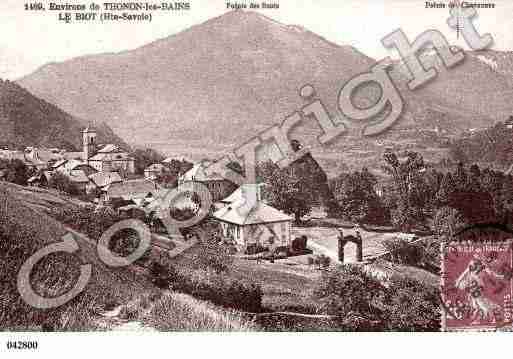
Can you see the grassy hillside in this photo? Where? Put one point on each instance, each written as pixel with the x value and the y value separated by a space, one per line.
pixel 23 231
pixel 25 228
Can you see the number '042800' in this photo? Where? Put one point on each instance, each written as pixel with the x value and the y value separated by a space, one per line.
pixel 22 345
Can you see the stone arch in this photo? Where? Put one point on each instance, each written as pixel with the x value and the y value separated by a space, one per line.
pixel 343 240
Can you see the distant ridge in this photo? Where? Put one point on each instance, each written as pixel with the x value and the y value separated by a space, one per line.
pixel 26 120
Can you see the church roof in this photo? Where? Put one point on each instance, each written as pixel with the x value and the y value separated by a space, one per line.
pixel 109 148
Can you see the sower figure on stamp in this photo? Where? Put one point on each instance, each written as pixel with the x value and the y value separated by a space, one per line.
pixel 473 281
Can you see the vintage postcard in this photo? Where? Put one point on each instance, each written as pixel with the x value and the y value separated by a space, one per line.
pixel 256 166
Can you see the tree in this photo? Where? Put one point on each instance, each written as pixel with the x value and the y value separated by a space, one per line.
pixel 146 157
pixel 15 171
pixel 447 187
pixel 460 177
pixel 447 222
pixel 62 183
pixel 356 198
pixel 213 256
pixel 410 189
pixel 287 192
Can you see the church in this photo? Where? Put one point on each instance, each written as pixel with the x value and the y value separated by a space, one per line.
pixel 109 158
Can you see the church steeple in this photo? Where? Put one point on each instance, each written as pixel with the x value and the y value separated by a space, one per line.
pixel 88 143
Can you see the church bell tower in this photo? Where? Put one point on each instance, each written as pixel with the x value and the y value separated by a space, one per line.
pixel 88 143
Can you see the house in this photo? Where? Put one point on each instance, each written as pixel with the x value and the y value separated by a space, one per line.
pixel 80 179
pixel 138 191
pixel 77 171
pixel 107 159
pixel 100 180
pixel 153 171
pixel 218 186
pixel 40 179
pixel 72 167
pixel 40 159
pixel 34 158
pixel 249 222
pixel 73 155
pixel 112 158
pixel 509 123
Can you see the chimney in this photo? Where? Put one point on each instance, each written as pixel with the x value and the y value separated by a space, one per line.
pixel 252 193
pixel 259 191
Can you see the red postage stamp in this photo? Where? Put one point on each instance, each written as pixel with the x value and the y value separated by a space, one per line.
pixel 477 285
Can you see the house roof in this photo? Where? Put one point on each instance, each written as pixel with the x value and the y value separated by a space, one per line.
pixel 102 179
pixel 79 177
pixel 115 155
pixel 171 159
pixel 235 196
pixel 73 155
pixel 59 163
pixel 12 155
pixel 156 167
pixel 41 156
pixel 259 213
pixel 70 165
pixel 34 157
pixel 197 173
pixel 238 194
pixel 131 189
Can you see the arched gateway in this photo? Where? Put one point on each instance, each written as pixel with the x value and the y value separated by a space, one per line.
pixel 342 241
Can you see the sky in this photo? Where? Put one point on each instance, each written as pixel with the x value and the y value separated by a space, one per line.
pixel 31 39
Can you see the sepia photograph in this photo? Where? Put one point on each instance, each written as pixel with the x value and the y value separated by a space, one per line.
pixel 277 166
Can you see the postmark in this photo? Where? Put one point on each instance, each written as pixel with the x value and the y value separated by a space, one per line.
pixel 476 283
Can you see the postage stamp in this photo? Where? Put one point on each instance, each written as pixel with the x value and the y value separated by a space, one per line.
pixel 476 285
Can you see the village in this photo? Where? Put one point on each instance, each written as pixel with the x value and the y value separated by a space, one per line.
pixel 105 175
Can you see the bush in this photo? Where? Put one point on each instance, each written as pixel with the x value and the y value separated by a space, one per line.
pixel 411 306
pixel 62 183
pixel 299 244
pixel 212 256
pixel 325 262
pixel 403 252
pixel 311 261
pixel 361 302
pixel 15 171
pixel 220 289
pixel 86 219
pixel 321 261
pixel 129 312
pixel 163 276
